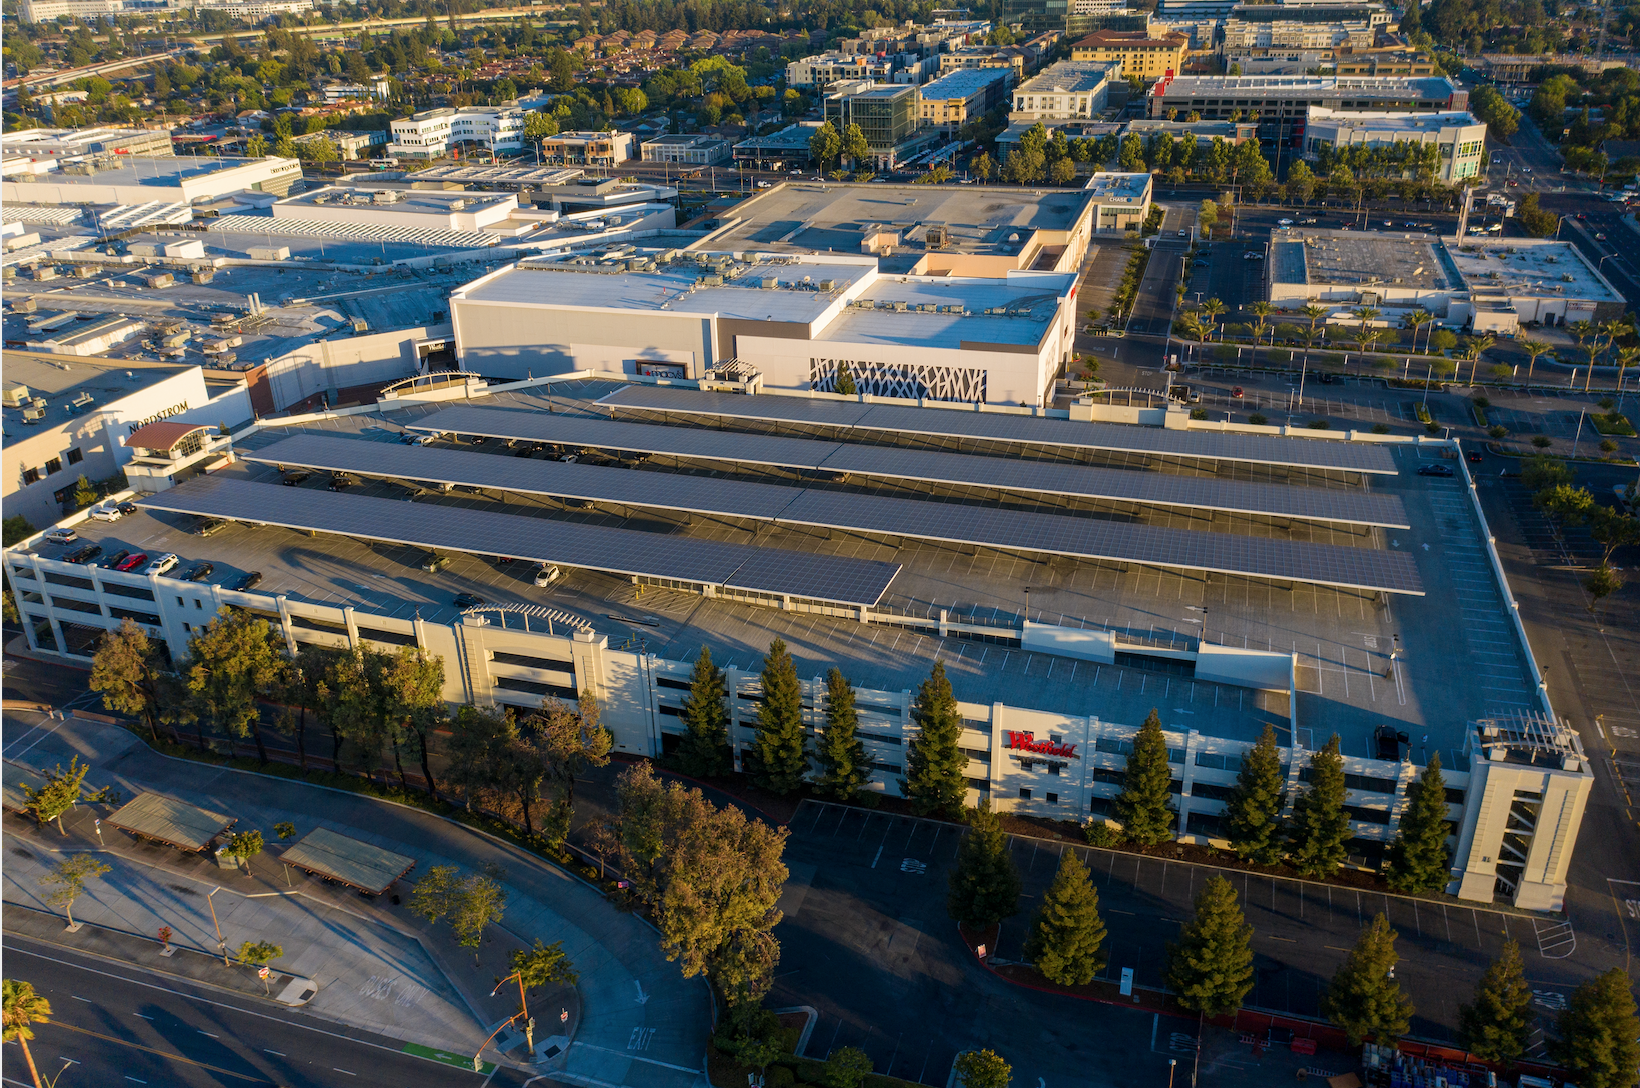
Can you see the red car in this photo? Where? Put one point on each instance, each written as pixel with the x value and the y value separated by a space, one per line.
pixel 132 562
pixel 1236 392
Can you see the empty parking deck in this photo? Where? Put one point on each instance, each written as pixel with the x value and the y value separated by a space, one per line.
pixel 954 523
pixel 626 552
pixel 1343 506
pixel 966 424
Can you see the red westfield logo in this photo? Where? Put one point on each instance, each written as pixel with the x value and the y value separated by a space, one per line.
pixel 1027 742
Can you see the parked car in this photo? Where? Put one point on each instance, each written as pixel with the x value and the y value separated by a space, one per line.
pixel 209 526
pixel 162 564
pixel 341 481
pixel 200 572
pixel 1599 236
pixel 1237 392
pixel 468 600
pixel 83 554
pixel 547 575
pixel 1435 470
pixel 524 452
pixel 423 440
pixel 1308 220
pixel 106 513
pixel 116 559
pixel 131 562
pixel 1284 222
pixel 291 479
pixel 1252 255
pixel 569 458
pixel 60 536
pixel 433 562
pixel 250 581
pixel 1476 457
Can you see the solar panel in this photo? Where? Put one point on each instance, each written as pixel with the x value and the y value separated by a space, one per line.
pixel 593 547
pixel 895 462
pixel 1082 537
pixel 1004 427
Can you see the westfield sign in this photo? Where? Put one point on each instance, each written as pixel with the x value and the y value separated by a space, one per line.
pixel 1027 742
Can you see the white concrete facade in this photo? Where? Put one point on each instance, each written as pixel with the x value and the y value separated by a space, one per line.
pixel 1460 138
pixel 432 133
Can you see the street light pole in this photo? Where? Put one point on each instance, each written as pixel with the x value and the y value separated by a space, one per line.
pixel 221 945
pixel 1428 374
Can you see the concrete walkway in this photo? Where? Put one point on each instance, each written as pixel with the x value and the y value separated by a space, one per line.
pixel 638 1021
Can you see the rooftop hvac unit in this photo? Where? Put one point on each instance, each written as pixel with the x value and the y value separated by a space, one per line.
pixel 827 285
pixel 712 281
pixel 385 196
pixel 899 307
pixel 957 308
pixel 32 414
pixel 457 204
pixel 1567 277
pixel 769 283
pixel 322 198
pixel 15 397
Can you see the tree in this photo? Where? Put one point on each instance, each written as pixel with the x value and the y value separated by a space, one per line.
pixel 1320 827
pixel 1067 932
pixel 478 742
pixel 235 662
pixel 478 905
pixel 985 886
pixel 703 750
pixel 825 145
pixel 59 795
pixel 434 895
pixel 413 693
pixel 1612 529
pixel 1300 182
pixel 1213 308
pixel 259 953
pixel 982 167
pixel 983 1069
pixel 1364 998
pixel 15 530
pixel 318 151
pixel 1601 583
pixel 1210 967
pixel 844 765
pixel 1498 1026
pixel 855 148
pixel 935 765
pixel 544 965
pixel 1261 310
pixel 285 830
pixel 1131 156
pixel 1534 349
pixel 845 381
pixel 256 147
pixel 71 874
pixel 1417 860
pixel 846 1067
pixel 126 672
pixel 1253 812
pixel 243 846
pixel 540 127
pixel 1062 172
pixel 1145 805
pixel 84 493
pixel 779 757
pixel 22 1009
pixel 1540 472
pixel 1597 1033
pixel 1494 111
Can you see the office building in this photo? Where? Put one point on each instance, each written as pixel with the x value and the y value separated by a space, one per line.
pixel 433 134
pixel 1250 28
pixel 953 100
pixel 588 148
pixel 887 115
pixel 688 149
pixel 1121 201
pixel 1036 16
pixel 1460 138
pixel 1289 97
pixel 130 179
pixel 1066 91
pixel 1138 54
pixel 71 142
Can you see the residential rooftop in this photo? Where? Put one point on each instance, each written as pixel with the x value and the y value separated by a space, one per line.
pixel 1068 77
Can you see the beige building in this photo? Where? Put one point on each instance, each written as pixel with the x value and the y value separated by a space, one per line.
pixel 1067 91
pixel 1138 53
pixel 952 100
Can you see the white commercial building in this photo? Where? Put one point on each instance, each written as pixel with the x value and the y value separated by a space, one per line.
pixel 130 179
pixel 1273 97
pixel 418 208
pixel 1121 201
pixel 70 142
pixel 1066 91
pixel 1460 138
pixel 795 319
pixel 256 10
pixel 46 11
pixel 688 149
pixel 431 134
pixel 1252 27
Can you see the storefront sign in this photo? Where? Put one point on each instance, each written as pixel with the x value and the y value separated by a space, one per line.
pixel 174 410
pixel 1027 742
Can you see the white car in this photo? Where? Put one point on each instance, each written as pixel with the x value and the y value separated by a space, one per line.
pixel 547 575
pixel 60 536
pixel 106 513
pixel 162 564
pixel 1284 222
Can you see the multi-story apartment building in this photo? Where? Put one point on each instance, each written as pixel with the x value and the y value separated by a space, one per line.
pixel 46 11
pixel 950 101
pixel 1393 61
pixel 1138 53
pixel 1066 91
pixel 985 56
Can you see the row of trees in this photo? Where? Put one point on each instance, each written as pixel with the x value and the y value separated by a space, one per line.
pixel 1210 967
pixel 1568 506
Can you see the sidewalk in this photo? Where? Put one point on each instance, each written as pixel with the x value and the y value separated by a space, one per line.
pixel 638 1021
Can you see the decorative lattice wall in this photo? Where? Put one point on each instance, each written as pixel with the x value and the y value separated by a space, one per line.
pixel 900 380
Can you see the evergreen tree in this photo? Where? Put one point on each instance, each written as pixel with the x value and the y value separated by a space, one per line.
pixel 1497 1026
pixel 1210 967
pixel 1364 998
pixel 1067 932
pixel 1417 860
pixel 985 886
pixel 1320 827
pixel 1597 1033
pixel 704 748
pixel 1145 805
pixel 845 381
pixel 1254 810
pixel 780 757
pixel 844 765
pixel 934 765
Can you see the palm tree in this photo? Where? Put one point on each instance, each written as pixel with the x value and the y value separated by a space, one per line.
pixel 1626 358
pixel 22 1007
pixel 1613 329
pixel 1314 313
pixel 1366 315
pixel 1192 325
pixel 1213 308
pixel 1261 310
pixel 1416 320
pixel 1473 351
pixel 1533 348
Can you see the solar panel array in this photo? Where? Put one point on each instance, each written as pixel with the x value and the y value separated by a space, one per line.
pixel 929 466
pixel 1059 534
pixel 1001 427
pixel 615 551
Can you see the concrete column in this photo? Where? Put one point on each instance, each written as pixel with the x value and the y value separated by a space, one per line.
pixel 1192 739
pixel 731 681
pixel 352 627
pixel 999 756
pixel 285 625
pixel 945 623
pixel 586 651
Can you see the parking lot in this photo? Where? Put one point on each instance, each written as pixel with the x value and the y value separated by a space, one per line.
pixel 869 943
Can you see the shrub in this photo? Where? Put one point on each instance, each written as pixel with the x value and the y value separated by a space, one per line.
pixel 1318 424
pixel 1100 833
pixel 1497 430
pixel 781 1076
pixel 1281 355
pixel 1198 413
pixel 1608 446
pixel 1380 428
pixel 1482 402
pixel 1541 441
pixel 1257 419
pixel 1606 403
pixel 1503 373
pixel 1432 427
pixel 1225 353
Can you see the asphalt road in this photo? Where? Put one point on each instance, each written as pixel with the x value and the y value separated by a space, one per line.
pixel 113 1024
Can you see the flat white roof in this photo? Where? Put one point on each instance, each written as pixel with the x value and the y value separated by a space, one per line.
pixel 1119 188
pixel 1031 312
pixel 1398 122
pixel 1531 268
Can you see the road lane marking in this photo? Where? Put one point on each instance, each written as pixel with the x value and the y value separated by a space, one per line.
pixel 140 1014
pixel 349 1072
pixel 161 1053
